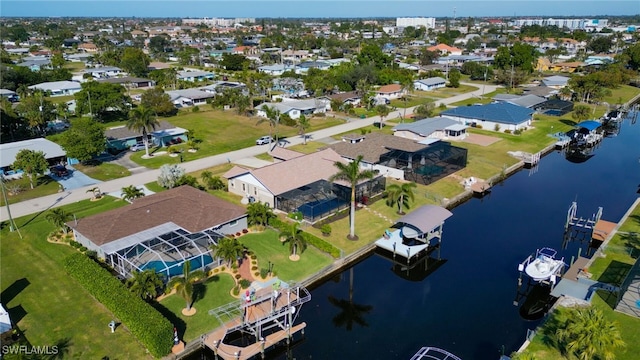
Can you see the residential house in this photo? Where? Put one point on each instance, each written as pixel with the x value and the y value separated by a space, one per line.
pixel 441 128
pixel 164 134
pixel 429 84
pixel 103 72
pixel 350 97
pixel 58 88
pixel 404 159
pixel 220 86
pixel 10 95
pixel 179 225
pixel 555 82
pixel 300 184
pixel 391 91
pixel 195 76
pixel 445 49
pixel 88 47
pixel 275 69
pixel 540 90
pixel 36 63
pixel 294 108
pixel 567 66
pixel 130 82
pixel 189 97
pixel 8 151
pixel 136 34
pixel 529 101
pixel 495 116
pixel 304 67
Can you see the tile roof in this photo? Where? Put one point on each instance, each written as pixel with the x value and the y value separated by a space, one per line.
pixel 281 177
pixel 235 171
pixel 498 112
pixel 185 206
pixel 391 88
pixel 375 145
pixel 284 154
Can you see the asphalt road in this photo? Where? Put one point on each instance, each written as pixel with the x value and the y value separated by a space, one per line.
pixel 47 202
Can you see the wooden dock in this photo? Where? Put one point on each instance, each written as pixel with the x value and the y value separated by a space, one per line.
pixel 232 352
pixel 602 229
pixel 576 269
pixel 480 187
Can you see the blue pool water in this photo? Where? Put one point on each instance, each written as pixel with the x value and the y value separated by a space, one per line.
pixel 159 266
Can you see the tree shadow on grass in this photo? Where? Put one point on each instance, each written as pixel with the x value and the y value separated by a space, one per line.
pixel 632 242
pixel 13 290
pixel 614 274
pixel 568 122
pixel 180 325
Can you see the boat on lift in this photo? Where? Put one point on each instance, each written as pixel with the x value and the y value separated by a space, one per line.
pixel 433 353
pixel 543 265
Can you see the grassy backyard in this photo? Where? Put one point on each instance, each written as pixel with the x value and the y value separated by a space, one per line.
pixel 50 307
pixel 103 171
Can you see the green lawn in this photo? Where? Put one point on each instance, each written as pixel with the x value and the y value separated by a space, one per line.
pixel 224 131
pixel 411 102
pixel 267 247
pixel 48 305
pixel 446 92
pixel 43 186
pixel 213 293
pixel 103 171
pixel 310 147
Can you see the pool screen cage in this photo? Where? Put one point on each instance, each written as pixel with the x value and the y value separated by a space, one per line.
pixel 429 164
pixel 322 198
pixel 166 253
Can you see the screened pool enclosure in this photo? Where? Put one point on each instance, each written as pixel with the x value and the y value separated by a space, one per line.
pixel 429 164
pixel 164 249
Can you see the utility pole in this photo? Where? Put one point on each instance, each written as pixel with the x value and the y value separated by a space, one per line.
pixel 12 224
pixel 89 96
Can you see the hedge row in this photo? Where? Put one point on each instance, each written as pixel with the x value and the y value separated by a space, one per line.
pixel 152 329
pixel 310 238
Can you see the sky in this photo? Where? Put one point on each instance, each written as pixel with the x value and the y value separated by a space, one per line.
pixel 315 8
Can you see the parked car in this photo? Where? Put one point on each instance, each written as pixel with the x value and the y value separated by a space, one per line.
pixel 59 171
pixel 264 140
pixel 137 146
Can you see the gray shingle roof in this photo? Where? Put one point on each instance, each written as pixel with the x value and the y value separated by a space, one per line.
pixel 498 112
pixel 432 81
pixel 426 127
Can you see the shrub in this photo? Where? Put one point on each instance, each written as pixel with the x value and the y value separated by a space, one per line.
pixel 238 276
pixel 244 231
pixel 238 233
pixel 496 127
pixel 215 271
pixel 244 283
pixel 310 238
pixel 517 131
pixel 236 290
pixel 195 109
pixel 92 254
pixel 254 268
pixel 253 257
pixel 478 126
pixel 326 229
pixel 82 248
pixel 263 273
pixel 256 274
pixel 507 131
pixel 296 215
pixel 152 329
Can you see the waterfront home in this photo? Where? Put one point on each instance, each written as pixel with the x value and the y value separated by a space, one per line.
pixel 161 231
pixel 528 101
pixel 496 116
pixel 58 88
pixel 401 158
pixel 300 183
pixel 441 128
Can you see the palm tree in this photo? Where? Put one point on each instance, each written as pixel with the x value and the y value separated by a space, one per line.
pixel 273 117
pixel 259 213
pixel 184 284
pixel 293 236
pixel 382 111
pixel 142 119
pixel 408 88
pixel 130 193
pixel 95 193
pixel 58 217
pixel 400 195
pixel 228 249
pixel 588 335
pixel 352 174
pixel 303 125
pixel 145 284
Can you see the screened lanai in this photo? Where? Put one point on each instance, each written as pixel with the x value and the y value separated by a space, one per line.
pixel 163 249
pixel 428 164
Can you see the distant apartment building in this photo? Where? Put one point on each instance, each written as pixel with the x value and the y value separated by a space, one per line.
pixel 428 23
pixel 564 23
pixel 217 22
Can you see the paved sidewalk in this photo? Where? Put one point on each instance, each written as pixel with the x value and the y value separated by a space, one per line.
pixel 139 178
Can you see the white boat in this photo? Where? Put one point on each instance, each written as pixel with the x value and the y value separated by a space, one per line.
pixel 543 266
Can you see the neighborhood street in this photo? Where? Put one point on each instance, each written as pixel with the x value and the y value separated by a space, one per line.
pixel 139 178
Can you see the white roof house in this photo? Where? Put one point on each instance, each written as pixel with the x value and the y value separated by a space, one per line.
pixel 58 88
pixel 8 151
pixel 295 108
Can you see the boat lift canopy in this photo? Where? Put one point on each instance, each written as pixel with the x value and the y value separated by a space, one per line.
pixel 424 219
pixel 589 125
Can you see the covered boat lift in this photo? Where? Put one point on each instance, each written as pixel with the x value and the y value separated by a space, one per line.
pixel 416 232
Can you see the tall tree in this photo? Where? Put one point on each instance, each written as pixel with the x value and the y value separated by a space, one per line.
pixel 143 120
pixel 184 284
pixel 31 162
pixel 37 110
pixel 273 117
pixel 259 214
pixel 59 217
pixel 588 334
pixel 293 236
pixel 98 98
pixel 401 196
pixel 454 78
pixel 352 174
pixel 135 61
pixel 382 110
pixel 159 101
pixel 303 125
pixel 145 284
pixel 84 140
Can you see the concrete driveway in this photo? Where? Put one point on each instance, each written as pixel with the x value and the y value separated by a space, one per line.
pixel 75 179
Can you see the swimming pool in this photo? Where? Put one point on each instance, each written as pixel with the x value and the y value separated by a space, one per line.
pixel 174 270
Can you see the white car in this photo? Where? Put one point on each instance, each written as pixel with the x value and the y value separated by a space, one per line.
pixel 137 146
pixel 264 140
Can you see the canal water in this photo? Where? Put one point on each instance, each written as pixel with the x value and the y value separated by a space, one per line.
pixel 466 305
